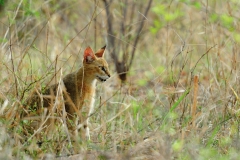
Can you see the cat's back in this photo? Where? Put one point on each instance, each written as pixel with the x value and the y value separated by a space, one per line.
pixel 70 83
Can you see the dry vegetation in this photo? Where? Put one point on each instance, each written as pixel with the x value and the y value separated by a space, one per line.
pixel 181 96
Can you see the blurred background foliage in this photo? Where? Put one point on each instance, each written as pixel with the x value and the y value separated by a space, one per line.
pixel 179 64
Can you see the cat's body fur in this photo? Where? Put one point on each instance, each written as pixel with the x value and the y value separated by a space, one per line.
pixel 79 92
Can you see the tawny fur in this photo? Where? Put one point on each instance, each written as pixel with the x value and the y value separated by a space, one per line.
pixel 80 92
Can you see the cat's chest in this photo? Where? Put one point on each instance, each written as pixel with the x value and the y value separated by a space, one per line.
pixel 87 91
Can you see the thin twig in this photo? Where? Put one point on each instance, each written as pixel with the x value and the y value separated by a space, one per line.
pixel 28 47
pixel 192 70
pixel 13 68
pixel 180 52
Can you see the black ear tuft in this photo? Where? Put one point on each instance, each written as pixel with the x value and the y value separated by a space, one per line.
pixel 100 52
pixel 104 47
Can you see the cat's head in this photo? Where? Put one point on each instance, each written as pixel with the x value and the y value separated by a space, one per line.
pixel 95 64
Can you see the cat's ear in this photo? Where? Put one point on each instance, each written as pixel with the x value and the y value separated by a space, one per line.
pixel 89 55
pixel 100 52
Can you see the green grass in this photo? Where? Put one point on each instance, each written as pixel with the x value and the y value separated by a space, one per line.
pixel 149 116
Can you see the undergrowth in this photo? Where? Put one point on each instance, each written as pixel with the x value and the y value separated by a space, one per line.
pixel 181 97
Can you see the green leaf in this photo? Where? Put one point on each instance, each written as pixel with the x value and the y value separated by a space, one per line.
pixel 159 9
pixel 197 5
pixel 135 107
pixel 176 104
pixel 177 145
pixel 1 2
pixel 227 21
pixel 160 69
pixel 142 82
pixel 172 16
pixel 3 40
pixel 153 30
pixel 236 37
pixel 214 17
pixel 157 24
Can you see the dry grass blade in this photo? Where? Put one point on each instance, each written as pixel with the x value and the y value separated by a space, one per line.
pixel 194 105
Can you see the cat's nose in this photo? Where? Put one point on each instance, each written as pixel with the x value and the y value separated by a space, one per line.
pixel 108 74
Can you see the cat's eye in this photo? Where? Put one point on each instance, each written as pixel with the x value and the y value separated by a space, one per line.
pixel 103 68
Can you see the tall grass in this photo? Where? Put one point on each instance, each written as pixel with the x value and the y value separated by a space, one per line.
pixel 181 98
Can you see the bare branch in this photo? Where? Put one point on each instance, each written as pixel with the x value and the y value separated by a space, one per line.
pixel 111 39
pixel 124 10
pixel 138 33
pixel 125 55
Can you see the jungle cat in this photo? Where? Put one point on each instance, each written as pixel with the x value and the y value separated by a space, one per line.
pixel 78 94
